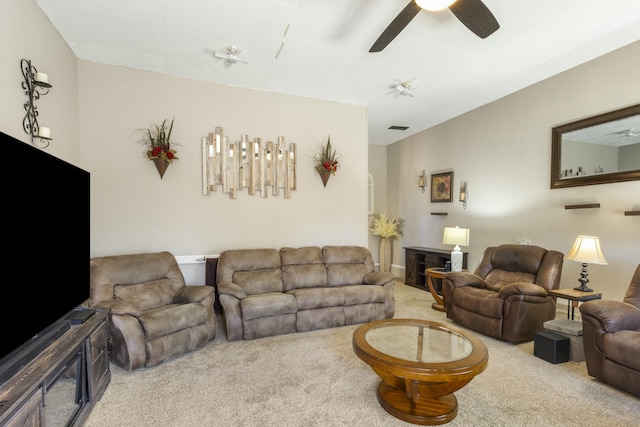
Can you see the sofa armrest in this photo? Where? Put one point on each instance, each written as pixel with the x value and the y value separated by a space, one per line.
pixel 523 288
pixel 612 316
pixel 379 278
pixel 193 294
pixel 228 288
pixel 119 307
pixel 457 279
pixel 128 340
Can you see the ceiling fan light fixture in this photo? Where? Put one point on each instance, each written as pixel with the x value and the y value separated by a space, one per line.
pixel 434 5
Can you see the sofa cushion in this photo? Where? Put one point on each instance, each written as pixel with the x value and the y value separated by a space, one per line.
pixel 171 318
pixel 259 281
pixel 310 298
pixel 304 276
pixel 510 257
pixel 479 300
pixel 347 255
pixel 269 304
pixel 497 278
pixel 364 294
pixel 347 265
pixel 234 260
pixel 346 274
pixel 304 255
pixel 302 268
pixel 146 296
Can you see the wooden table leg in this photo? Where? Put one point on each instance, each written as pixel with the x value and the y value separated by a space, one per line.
pixel 439 304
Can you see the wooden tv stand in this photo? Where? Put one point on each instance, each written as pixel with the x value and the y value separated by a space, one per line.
pixel 79 356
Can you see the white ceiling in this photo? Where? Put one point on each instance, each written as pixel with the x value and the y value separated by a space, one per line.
pixel 325 52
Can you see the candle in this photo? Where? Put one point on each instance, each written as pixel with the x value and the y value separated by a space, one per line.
pixel 44 132
pixel 42 78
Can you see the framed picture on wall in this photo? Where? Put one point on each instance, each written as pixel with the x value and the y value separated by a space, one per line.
pixel 441 187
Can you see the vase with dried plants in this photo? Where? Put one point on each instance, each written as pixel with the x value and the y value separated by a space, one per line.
pixel 387 227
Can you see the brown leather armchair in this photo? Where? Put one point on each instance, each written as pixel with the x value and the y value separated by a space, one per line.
pixel 611 338
pixel 152 314
pixel 507 296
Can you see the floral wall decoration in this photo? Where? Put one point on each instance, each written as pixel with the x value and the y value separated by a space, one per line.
pixel 326 161
pixel 157 140
pixel 247 164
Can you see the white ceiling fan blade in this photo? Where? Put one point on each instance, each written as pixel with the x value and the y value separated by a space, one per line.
pixel 234 58
pixel 220 55
pixel 406 92
pixel 627 133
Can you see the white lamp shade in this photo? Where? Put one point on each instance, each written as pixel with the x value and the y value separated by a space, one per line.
pixel 434 4
pixel 456 236
pixel 586 249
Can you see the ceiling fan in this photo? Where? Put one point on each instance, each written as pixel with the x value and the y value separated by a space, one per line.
pixel 231 55
pixel 403 88
pixel 626 133
pixel 472 13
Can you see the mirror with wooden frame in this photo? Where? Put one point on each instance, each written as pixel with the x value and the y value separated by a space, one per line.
pixel 597 150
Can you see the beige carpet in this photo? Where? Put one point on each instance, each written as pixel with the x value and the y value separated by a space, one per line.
pixel 315 379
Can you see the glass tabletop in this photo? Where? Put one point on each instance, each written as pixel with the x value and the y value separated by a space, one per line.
pixel 419 342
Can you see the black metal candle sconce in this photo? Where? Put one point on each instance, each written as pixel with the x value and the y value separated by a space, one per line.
pixel 35 85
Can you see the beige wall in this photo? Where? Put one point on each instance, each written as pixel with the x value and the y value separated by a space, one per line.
pixel 503 150
pixel 133 210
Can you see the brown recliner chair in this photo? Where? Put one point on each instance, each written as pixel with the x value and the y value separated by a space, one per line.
pixel 507 295
pixel 152 314
pixel 611 338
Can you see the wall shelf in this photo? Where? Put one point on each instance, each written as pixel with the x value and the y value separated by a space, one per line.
pixel 631 213
pixel 583 206
pixel 439 213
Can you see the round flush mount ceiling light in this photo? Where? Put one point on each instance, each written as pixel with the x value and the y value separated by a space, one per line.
pixel 434 5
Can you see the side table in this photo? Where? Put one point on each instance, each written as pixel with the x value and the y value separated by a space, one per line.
pixel 575 297
pixel 436 273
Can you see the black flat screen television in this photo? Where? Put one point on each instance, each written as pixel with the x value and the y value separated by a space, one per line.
pixel 45 207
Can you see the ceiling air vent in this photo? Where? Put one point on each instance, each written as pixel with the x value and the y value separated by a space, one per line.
pixel 398 127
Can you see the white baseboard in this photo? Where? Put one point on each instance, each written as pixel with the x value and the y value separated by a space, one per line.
pixel 193 259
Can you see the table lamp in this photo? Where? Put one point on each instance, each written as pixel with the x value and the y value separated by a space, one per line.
pixel 586 250
pixel 458 237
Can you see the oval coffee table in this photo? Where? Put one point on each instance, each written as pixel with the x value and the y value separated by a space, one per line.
pixel 421 364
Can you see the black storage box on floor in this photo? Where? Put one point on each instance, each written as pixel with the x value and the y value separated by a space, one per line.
pixel 551 347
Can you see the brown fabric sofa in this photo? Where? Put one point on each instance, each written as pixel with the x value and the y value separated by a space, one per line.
pixel 267 292
pixel 152 314
pixel 507 295
pixel 611 338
